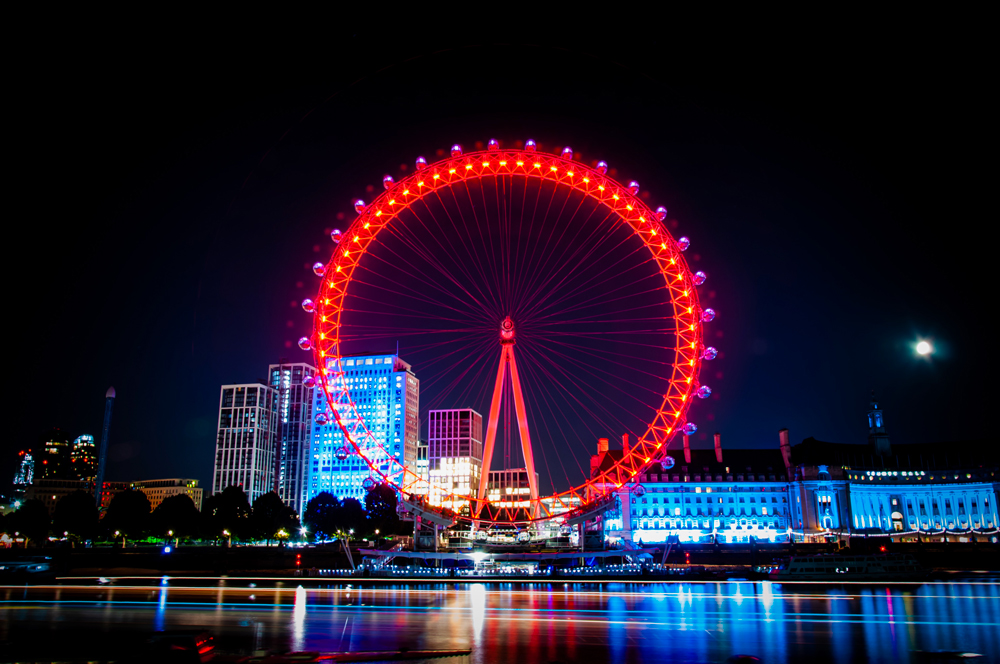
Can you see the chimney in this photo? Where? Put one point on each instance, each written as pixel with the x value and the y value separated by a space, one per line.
pixel 687 449
pixel 624 444
pixel 718 447
pixel 602 445
pixel 786 448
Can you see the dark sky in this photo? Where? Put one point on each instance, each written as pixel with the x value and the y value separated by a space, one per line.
pixel 828 180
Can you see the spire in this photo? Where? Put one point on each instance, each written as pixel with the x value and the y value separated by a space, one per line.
pixel 877 437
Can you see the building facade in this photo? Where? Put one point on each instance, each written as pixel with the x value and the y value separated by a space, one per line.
pixel 83 458
pixel 159 490
pixel 454 457
pixel 386 393
pixel 509 488
pixel 55 459
pixel 245 444
pixel 293 384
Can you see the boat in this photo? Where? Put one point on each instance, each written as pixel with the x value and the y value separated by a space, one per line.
pixel 835 567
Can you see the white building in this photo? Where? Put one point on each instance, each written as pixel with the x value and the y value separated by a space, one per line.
pixel 245 445
pixel 454 456
pixel 386 394
pixel 293 384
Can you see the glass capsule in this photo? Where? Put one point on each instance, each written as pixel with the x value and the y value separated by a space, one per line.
pixel 359 206
pixel 708 315
pixel 494 144
pixel 308 304
pixel 524 536
pixel 661 213
pixel 529 146
pixel 690 428
pixel 633 187
pixel 639 491
pixel 709 353
pixel 667 463
pixel 321 419
pixel 387 181
pixel 704 392
pixel 699 278
pixel 335 235
pixel 456 150
pixel 304 343
pixel 683 243
pixel 602 167
pixel 309 381
pixel 421 163
pixel 368 484
pixel 567 152
pixel 342 454
pixel 318 269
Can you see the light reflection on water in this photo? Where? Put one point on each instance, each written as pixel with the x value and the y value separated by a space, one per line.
pixel 523 623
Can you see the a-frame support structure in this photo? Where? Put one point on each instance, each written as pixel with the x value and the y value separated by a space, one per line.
pixel 508 365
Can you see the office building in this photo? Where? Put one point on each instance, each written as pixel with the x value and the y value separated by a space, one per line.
pixel 55 459
pixel 454 457
pixel 386 394
pixel 245 445
pixel 25 475
pixel 159 490
pixel 509 488
pixel 83 458
pixel 295 402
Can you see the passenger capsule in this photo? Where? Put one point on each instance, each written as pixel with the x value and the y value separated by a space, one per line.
pixel 387 181
pixel 699 278
pixel 639 491
pixel 359 206
pixel 661 213
pixel 704 392
pixel 309 381
pixel 335 235
pixel 683 243
pixel 494 144
pixel 667 463
pixel 690 428
pixel 524 537
pixel 304 343
pixel 709 353
pixel 318 269
pixel 633 187
pixel 308 305
pixel 456 150
pixel 567 152
pixel 342 453
pixel 602 167
pixel 529 146
pixel 708 315
pixel 368 484
pixel 421 163
pixel 321 419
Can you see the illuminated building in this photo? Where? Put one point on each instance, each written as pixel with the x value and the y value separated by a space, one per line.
pixel 422 469
pixel 509 488
pixel 83 458
pixel 159 490
pixel 55 457
pixel 51 491
pixel 295 402
pixel 244 449
pixel 454 456
pixel 386 393
pixel 25 475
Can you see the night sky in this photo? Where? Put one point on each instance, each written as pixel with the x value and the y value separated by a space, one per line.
pixel 173 192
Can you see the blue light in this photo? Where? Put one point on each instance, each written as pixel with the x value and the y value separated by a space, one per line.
pixel 167 549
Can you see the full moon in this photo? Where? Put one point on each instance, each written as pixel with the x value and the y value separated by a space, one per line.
pixel 924 348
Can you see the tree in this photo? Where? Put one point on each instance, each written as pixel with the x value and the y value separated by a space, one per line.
pixel 320 517
pixel 76 514
pixel 380 503
pixel 31 520
pixel 178 514
pixel 351 515
pixel 128 513
pixel 229 510
pixel 271 514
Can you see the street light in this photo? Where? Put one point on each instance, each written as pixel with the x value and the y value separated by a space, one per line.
pixel 229 538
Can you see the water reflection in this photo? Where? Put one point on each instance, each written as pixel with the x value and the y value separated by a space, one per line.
pixel 523 623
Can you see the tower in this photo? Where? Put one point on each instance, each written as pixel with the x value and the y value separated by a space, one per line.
pixel 508 366
pixel 877 437
pixel 102 456
pixel 292 381
pixel 244 448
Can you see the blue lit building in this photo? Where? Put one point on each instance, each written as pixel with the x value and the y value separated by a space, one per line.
pixel 387 394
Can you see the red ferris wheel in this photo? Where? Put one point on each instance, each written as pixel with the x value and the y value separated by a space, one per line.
pixel 539 276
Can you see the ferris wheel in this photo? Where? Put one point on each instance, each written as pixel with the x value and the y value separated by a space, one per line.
pixel 530 286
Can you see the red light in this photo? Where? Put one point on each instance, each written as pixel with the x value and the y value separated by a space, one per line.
pixel 882 549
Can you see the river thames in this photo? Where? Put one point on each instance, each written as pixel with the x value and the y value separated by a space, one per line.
pixel 524 623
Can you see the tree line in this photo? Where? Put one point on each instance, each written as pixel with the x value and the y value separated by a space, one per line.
pixel 226 515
